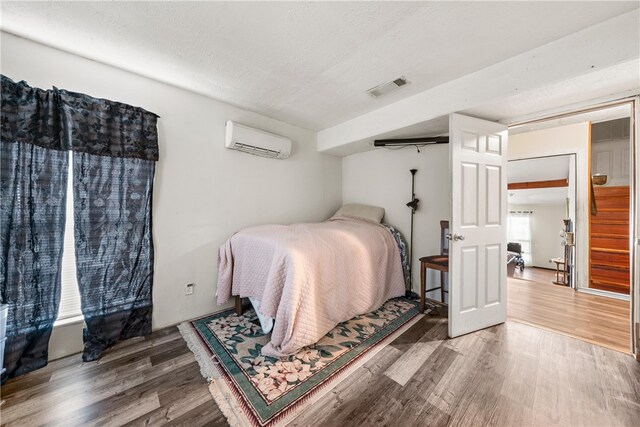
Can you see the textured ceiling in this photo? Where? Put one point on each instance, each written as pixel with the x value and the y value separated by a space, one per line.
pixel 306 63
pixel 539 196
pixel 542 169
pixel 618 79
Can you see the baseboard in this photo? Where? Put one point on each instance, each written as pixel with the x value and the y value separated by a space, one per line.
pixel 604 293
pixel 567 334
pixel 66 340
pixel 544 268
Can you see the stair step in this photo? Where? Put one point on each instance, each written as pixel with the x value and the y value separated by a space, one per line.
pixel 605 221
pixel 612 203
pixel 624 236
pixel 608 209
pixel 609 229
pixel 611 259
pixel 611 196
pixel 610 250
pixel 611 242
pixel 611 287
pixel 610 266
pixel 609 275
pixel 609 215
pixel 611 191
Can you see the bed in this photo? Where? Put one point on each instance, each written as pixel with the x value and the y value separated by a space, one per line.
pixel 308 278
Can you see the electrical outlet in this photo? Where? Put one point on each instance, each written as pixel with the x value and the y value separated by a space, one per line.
pixel 188 290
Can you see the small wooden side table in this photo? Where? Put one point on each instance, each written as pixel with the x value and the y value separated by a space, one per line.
pixel 560 280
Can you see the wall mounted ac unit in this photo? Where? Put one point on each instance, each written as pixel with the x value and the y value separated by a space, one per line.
pixel 255 141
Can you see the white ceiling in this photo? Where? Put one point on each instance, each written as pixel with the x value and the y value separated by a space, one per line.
pixel 539 169
pixel 539 196
pixel 599 83
pixel 306 63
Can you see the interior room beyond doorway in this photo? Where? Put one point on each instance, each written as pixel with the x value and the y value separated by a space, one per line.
pixel 578 309
pixel 541 217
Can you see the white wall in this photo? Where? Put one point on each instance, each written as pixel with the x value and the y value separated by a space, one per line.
pixel 382 178
pixel 612 158
pixel 203 192
pixel 564 140
pixel 546 225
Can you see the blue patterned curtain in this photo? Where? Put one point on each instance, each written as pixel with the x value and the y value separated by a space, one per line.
pixel 114 152
pixel 114 247
pixel 115 147
pixel 33 179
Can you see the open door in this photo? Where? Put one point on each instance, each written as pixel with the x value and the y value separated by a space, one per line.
pixel 477 251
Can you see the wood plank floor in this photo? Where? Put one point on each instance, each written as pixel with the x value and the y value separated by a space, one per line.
pixel 536 274
pixel 153 380
pixel 511 374
pixel 592 318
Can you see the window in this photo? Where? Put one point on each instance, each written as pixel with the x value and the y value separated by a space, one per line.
pixel 70 294
pixel 520 232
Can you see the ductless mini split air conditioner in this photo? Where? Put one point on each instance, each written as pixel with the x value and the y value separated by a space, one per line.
pixel 257 142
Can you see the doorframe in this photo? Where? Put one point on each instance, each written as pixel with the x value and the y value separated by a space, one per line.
pixel 635 282
pixel 634 241
pixel 577 156
pixel 573 161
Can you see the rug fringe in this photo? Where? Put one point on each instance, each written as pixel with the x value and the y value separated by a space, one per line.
pixel 207 365
pixel 229 408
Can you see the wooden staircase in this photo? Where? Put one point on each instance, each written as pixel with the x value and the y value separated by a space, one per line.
pixel 609 240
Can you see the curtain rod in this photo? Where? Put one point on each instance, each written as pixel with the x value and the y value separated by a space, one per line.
pixel 411 141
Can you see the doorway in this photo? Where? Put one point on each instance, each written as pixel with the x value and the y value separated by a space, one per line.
pixel 541 218
pixel 587 300
pixel 609 231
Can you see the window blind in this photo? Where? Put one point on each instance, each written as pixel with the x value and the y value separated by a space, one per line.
pixel 70 294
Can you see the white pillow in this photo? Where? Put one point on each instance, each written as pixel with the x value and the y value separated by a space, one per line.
pixel 365 212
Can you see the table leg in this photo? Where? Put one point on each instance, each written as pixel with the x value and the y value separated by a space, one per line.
pixel 423 287
pixel 238 305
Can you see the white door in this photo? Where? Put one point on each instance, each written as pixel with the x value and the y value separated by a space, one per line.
pixel 478 246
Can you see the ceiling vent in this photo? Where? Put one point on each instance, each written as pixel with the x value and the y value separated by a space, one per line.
pixel 385 88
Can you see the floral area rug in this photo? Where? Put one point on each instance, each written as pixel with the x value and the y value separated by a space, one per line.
pixel 255 390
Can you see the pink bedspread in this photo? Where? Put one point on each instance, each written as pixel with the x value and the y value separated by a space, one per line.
pixel 310 277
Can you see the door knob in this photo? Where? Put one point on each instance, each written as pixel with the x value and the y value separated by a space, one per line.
pixel 450 236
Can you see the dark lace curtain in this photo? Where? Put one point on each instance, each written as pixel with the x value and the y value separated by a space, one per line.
pixel 114 250
pixel 114 152
pixel 33 179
